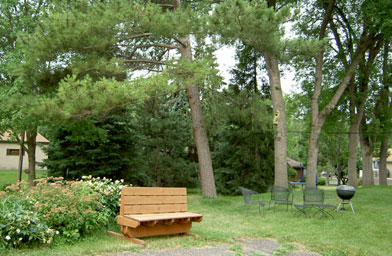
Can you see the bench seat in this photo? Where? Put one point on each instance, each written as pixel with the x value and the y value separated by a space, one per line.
pixel 165 216
pixel 154 211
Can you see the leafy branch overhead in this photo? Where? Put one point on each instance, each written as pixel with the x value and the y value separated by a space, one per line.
pixel 95 60
pixel 260 26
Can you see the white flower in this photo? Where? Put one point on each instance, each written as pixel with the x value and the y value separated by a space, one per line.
pixel 122 180
pixel 57 232
pixel 18 231
pixel 20 239
pixel 7 238
pixel 120 187
pixel 116 182
pixel 83 177
pixel 9 214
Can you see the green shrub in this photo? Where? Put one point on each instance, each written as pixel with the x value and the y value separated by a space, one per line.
pixel 20 225
pixel 73 208
pixel 291 173
pixel 110 192
pixel 2 187
pixel 321 181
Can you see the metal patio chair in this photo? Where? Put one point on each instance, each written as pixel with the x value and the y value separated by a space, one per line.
pixel 281 195
pixel 252 197
pixel 315 198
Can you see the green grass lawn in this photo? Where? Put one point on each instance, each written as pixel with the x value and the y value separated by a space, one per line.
pixel 367 232
pixel 10 176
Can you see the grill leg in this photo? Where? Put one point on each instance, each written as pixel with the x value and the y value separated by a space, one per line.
pixel 340 204
pixel 352 208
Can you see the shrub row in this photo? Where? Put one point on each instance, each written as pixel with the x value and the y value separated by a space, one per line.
pixel 55 207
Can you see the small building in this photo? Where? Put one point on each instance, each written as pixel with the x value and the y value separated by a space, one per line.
pixel 298 167
pixel 376 165
pixel 9 152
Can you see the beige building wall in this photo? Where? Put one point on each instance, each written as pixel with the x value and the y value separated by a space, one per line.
pixel 10 162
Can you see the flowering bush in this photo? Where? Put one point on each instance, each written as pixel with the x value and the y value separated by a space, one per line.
pixel 110 191
pixel 19 224
pixel 72 208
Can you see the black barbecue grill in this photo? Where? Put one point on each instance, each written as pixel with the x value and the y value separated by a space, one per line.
pixel 345 193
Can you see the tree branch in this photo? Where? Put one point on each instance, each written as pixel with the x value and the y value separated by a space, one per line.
pixel 145 61
pixel 135 36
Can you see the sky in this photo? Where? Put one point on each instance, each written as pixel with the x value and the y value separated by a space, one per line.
pixel 225 57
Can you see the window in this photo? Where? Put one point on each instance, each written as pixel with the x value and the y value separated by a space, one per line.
pixel 376 164
pixel 13 152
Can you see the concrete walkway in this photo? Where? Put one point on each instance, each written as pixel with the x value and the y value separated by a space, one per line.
pixel 251 247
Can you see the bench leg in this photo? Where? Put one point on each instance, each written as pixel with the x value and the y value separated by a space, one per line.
pixel 131 239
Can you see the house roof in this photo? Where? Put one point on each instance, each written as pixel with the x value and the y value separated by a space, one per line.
pixel 293 163
pixel 6 137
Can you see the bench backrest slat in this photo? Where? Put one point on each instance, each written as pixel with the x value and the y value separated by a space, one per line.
pixel 147 200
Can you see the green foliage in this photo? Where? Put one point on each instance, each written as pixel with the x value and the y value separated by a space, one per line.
pixel 94 147
pixel 291 173
pixel 20 225
pixel 247 74
pixel 54 206
pixel 243 154
pixel 321 181
pixel 260 26
pixel 166 154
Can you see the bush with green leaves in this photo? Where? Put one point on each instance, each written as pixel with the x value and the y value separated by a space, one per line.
pixel 109 191
pixel 291 173
pixel 20 225
pixel 72 208
pixel 321 181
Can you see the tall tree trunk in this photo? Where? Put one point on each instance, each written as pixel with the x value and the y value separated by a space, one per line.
pixel 383 162
pixel 280 140
pixel 317 124
pixel 21 154
pixel 352 154
pixel 203 150
pixel 367 157
pixel 318 117
pixel 356 113
pixel 31 145
pixel 207 179
pixel 357 109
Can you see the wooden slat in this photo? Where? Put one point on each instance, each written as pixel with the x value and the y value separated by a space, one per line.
pixel 163 216
pixel 121 220
pixel 133 240
pixel 143 231
pixel 151 191
pixel 146 209
pixel 167 222
pixel 127 200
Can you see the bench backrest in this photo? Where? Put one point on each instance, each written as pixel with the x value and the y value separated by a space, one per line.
pixel 147 200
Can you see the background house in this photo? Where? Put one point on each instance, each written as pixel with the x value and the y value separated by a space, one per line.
pixel 298 167
pixel 376 164
pixel 9 152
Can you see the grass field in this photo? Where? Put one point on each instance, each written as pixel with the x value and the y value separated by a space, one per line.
pixel 367 232
pixel 10 176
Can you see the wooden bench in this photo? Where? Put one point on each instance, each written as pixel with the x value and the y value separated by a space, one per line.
pixel 151 211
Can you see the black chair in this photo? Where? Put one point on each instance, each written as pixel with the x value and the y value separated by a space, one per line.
pixel 252 197
pixel 281 195
pixel 315 198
